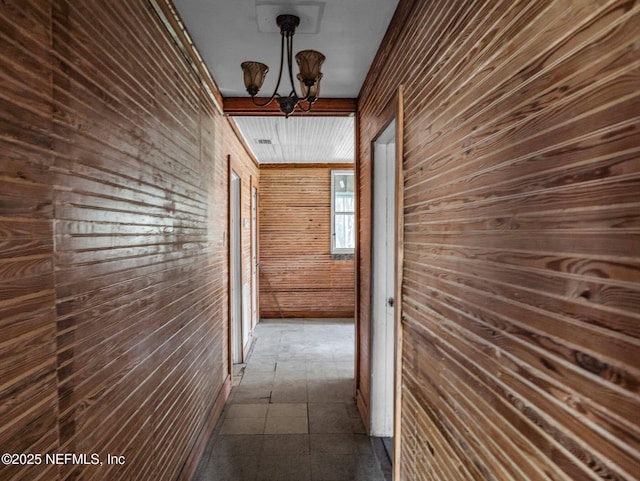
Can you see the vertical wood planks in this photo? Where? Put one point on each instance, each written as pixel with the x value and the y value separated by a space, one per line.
pixel 521 292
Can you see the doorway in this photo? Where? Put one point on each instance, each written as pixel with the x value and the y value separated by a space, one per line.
pixel 254 256
pixel 383 329
pixel 235 271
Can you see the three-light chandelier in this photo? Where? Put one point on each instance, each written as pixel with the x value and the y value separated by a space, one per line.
pixel 309 63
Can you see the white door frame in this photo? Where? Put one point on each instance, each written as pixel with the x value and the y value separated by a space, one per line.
pixel 383 267
pixel 254 256
pixel 394 111
pixel 235 269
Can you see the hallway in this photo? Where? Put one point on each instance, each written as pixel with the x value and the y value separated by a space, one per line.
pixel 292 416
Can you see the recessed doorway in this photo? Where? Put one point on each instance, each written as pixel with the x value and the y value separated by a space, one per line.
pixel 383 330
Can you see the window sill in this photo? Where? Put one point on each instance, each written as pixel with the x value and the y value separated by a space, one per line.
pixel 342 257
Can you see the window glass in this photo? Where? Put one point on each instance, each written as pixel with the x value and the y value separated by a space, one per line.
pixel 342 212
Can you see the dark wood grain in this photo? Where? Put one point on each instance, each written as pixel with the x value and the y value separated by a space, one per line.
pixel 240 106
pixel 113 260
pixel 521 288
pixel 28 397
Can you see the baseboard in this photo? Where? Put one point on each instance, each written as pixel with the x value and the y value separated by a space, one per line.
pixel 306 314
pixel 363 408
pixel 191 464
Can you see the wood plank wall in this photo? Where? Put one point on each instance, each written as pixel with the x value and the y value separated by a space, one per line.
pixel 113 213
pixel 521 290
pixel 28 378
pixel 247 168
pixel 298 277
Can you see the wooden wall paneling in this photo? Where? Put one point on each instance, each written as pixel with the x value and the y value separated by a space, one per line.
pixel 521 274
pixel 113 266
pixel 28 399
pixel 246 167
pixel 169 16
pixel 213 155
pixel 364 274
pixel 298 277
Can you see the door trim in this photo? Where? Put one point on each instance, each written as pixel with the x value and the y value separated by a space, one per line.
pixel 230 239
pixel 393 110
pixel 383 264
pixel 399 237
pixel 255 266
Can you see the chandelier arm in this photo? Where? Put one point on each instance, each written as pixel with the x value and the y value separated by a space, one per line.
pixel 258 104
pixel 255 72
pixel 275 92
pixel 290 65
pixel 301 108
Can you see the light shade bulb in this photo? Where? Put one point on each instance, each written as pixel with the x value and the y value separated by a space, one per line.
pixel 309 63
pixel 254 74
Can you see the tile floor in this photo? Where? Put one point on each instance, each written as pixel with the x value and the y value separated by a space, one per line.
pixel 292 416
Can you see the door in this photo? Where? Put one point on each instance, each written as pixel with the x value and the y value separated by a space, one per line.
pixel 383 285
pixel 236 271
pixel 254 256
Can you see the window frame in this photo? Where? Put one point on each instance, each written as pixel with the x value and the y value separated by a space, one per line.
pixel 334 249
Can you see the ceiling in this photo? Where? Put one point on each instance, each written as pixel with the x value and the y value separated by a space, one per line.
pixel 347 32
pixel 299 139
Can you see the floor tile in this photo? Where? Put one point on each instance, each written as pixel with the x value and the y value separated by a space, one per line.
pixel 237 445
pixel 329 418
pixel 338 443
pixel 289 395
pixel 357 426
pixel 284 468
pixel 261 365
pixel 242 426
pixel 293 416
pixel 334 467
pixel 285 444
pixel 287 425
pixel 287 410
pixel 249 395
pixel 231 468
pixel 247 411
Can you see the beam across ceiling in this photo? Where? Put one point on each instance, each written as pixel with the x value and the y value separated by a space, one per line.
pixel 243 106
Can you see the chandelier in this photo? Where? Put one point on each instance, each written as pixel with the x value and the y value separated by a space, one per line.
pixel 309 63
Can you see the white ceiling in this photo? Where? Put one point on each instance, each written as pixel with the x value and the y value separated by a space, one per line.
pixel 348 32
pixel 299 139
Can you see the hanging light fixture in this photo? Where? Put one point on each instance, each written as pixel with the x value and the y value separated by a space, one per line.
pixel 309 63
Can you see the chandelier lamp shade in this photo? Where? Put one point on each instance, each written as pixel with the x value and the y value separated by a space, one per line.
pixel 309 64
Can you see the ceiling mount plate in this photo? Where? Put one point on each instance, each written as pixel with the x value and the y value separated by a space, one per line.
pixel 310 16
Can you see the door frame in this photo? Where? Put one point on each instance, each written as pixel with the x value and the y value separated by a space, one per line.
pixel 399 241
pixel 383 261
pixel 394 110
pixel 230 256
pixel 255 263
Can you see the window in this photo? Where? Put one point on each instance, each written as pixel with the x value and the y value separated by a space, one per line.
pixel 343 238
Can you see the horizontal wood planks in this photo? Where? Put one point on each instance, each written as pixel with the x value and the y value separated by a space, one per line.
pixel 298 277
pixel 238 106
pixel 28 380
pixel 113 257
pixel 521 275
